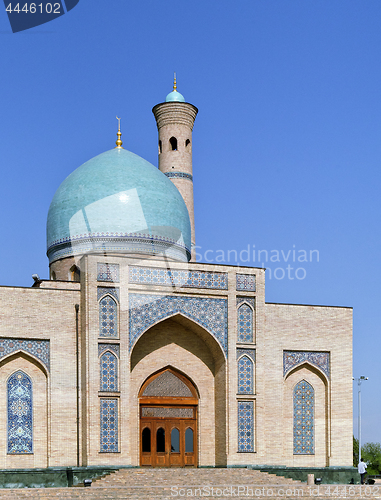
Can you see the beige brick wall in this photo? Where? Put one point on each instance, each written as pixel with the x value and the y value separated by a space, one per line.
pixel 33 313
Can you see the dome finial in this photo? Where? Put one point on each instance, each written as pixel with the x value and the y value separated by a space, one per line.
pixel 119 134
pixel 174 83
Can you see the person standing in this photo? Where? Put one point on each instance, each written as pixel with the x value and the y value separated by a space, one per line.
pixel 362 470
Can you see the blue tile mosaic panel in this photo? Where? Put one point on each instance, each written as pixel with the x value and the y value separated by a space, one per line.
pixel 304 419
pixel 245 282
pixel 103 290
pixel 248 300
pixel 108 317
pixel 109 425
pixel 246 426
pixel 245 323
pixel 179 175
pixel 108 347
pixel 109 372
pixel 108 272
pixel 39 348
pixel 294 358
pixel 173 277
pixel 245 376
pixel 146 310
pixel 20 414
pixel 248 352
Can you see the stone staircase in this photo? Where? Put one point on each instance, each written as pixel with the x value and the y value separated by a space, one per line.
pixel 216 484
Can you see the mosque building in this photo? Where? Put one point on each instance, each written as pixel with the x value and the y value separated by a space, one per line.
pixel 135 354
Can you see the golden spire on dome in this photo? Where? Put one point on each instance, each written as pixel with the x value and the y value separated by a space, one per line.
pixel 119 134
pixel 174 83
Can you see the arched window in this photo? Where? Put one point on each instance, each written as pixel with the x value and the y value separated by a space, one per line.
pixel 160 440
pixel 53 276
pixel 189 440
pixel 108 317
pixel 175 440
pixel 304 399
pixel 160 147
pixel 146 440
pixel 109 372
pixel 173 142
pixel 187 142
pixel 75 273
pixel 245 376
pixel 245 323
pixel 20 414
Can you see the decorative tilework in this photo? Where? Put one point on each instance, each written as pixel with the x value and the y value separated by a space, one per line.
pixel 108 317
pixel 246 352
pixel 108 272
pixel 179 175
pixel 245 323
pixel 167 412
pixel 246 282
pixel 304 419
pixel 294 358
pixel 246 426
pixel 109 425
pixel 20 414
pixel 108 347
pixel 102 290
pixel 245 376
pixel 248 300
pixel 146 310
pixel 39 348
pixel 188 279
pixel 167 385
pixel 109 372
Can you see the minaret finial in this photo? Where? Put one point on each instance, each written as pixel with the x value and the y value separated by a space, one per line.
pixel 174 83
pixel 119 134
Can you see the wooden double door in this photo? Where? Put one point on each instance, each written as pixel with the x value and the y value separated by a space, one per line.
pixel 167 442
pixel 168 420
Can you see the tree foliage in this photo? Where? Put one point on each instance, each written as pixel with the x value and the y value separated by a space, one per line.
pixel 371 454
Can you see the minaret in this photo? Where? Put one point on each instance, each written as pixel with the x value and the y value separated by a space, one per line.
pixel 175 119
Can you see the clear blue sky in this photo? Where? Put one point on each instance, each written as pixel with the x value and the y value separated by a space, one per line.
pixel 286 145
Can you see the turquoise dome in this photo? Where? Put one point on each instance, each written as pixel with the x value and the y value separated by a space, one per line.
pixel 118 202
pixel 174 96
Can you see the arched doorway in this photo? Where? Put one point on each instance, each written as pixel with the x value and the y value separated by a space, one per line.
pixel 168 420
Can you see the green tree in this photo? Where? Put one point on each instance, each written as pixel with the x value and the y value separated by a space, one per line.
pixel 355 452
pixel 371 453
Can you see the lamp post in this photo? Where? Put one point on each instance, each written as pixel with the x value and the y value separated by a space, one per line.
pixel 359 381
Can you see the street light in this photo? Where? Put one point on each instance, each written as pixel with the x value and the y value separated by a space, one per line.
pixel 359 380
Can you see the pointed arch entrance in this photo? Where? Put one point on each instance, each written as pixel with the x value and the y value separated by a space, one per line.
pixel 168 420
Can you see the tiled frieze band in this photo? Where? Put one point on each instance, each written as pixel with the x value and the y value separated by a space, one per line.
pixel 171 277
pixel 20 414
pixel 39 348
pixel 294 358
pixel 103 290
pixel 108 347
pixel 108 272
pixel 246 426
pixel 179 175
pixel 304 419
pixel 245 282
pixel 146 310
